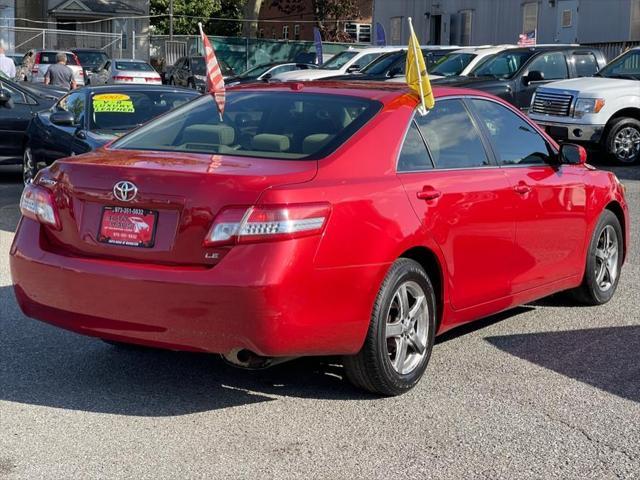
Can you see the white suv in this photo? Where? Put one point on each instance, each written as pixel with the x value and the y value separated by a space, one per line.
pixel 348 61
pixel 601 110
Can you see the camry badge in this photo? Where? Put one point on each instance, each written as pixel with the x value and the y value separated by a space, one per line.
pixel 125 191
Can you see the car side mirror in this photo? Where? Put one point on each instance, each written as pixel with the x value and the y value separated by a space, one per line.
pixel 534 76
pixel 353 69
pixel 5 98
pixel 62 119
pixel 266 76
pixel 571 154
pixel 395 72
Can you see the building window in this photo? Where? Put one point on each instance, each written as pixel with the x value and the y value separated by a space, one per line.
pixel 285 32
pixel 395 31
pixel 466 23
pixel 359 32
pixel 529 17
pixel 566 18
pixel 296 32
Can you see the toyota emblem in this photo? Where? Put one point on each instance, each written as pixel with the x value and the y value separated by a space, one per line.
pixel 125 191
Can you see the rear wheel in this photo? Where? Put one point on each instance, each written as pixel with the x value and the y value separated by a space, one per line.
pixel 623 140
pixel 29 168
pixel 604 262
pixel 401 333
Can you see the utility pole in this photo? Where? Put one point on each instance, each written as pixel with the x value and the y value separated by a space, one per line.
pixel 170 19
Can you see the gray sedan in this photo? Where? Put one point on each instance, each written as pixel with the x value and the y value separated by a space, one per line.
pixel 125 71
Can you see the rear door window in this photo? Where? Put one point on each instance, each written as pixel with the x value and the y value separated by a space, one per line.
pixel 586 64
pixel 452 136
pixel 414 156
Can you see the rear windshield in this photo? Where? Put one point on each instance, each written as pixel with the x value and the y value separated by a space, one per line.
pixel 281 125
pixel 121 111
pixel 134 66
pixel 92 59
pixel 49 58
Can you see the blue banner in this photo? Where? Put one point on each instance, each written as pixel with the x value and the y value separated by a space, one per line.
pixel 380 36
pixel 317 37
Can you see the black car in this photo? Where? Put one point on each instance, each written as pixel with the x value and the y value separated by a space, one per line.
pixel 515 74
pixel 262 73
pixel 191 72
pixel 392 64
pixel 86 119
pixel 90 59
pixel 17 106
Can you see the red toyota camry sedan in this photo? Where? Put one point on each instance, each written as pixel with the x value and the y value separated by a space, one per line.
pixel 317 219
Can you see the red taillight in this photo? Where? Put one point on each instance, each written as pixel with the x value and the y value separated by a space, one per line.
pixel 153 79
pixel 119 78
pixel 37 203
pixel 36 61
pixel 263 223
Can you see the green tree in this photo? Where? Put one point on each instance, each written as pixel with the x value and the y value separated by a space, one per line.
pixel 327 13
pixel 201 11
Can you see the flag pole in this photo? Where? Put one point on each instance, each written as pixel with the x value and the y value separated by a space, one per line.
pixel 415 55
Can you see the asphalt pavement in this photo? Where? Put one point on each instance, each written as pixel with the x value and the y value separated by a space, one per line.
pixel 547 390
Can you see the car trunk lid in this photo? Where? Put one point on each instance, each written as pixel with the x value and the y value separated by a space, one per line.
pixel 184 191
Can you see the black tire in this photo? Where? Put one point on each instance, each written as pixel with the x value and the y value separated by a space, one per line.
pixel 618 132
pixel 372 369
pixel 591 292
pixel 29 166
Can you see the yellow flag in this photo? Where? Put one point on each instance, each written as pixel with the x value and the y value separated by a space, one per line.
pixel 416 70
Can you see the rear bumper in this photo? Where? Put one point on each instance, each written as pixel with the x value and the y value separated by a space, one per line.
pixel 255 298
pixel 571 131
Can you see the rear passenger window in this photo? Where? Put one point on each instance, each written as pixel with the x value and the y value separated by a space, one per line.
pixel 515 141
pixel 586 64
pixel 414 156
pixel 452 137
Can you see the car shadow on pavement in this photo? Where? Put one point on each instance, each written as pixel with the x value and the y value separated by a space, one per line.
pixel 44 365
pixel 10 191
pixel 606 358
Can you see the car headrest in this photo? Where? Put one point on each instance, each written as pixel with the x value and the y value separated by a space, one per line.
pixel 209 134
pixel 269 142
pixel 315 142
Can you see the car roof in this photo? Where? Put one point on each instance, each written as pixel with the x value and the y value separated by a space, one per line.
pixel 385 92
pixel 129 60
pixel 88 50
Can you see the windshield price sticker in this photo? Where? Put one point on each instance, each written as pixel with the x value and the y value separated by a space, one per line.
pixel 113 102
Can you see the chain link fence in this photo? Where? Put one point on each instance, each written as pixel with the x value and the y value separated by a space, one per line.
pixel 25 39
pixel 240 53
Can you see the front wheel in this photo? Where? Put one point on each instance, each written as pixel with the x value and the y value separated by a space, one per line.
pixel 29 168
pixel 604 262
pixel 623 141
pixel 401 333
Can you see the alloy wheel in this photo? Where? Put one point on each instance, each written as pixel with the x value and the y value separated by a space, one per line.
pixel 407 327
pixel 28 167
pixel 626 144
pixel 607 252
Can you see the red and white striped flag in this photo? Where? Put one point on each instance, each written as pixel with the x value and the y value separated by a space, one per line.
pixel 215 82
pixel 527 39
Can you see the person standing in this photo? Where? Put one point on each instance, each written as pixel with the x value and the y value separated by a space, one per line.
pixel 6 64
pixel 59 74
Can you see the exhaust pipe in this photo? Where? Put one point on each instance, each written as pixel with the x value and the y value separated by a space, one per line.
pixel 243 358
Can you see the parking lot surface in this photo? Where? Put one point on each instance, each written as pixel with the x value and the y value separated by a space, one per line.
pixel 547 390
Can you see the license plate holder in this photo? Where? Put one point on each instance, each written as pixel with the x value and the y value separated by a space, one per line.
pixel 128 227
